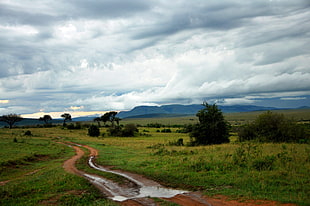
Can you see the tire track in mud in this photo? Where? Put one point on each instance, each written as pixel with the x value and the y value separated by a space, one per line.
pixel 137 193
pixel 139 190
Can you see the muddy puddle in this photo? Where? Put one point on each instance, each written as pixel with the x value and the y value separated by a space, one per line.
pixel 140 189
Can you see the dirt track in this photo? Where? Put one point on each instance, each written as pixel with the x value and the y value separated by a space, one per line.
pixel 130 193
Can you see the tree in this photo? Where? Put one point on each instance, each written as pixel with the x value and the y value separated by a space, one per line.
pixel 67 117
pixel 46 118
pixel 111 117
pixel 97 119
pixel 105 117
pixel 11 119
pixel 212 127
pixel 117 119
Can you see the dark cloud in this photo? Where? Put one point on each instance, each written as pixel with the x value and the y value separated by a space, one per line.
pixel 106 8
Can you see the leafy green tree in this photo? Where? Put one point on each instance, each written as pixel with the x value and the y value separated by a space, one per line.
pixel 110 117
pixel 117 120
pixel 66 117
pixel 212 127
pixel 97 119
pixel 11 119
pixel 46 118
pixel 105 117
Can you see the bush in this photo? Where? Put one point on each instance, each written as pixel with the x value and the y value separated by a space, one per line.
pixel 93 131
pixel 115 131
pixel 166 130
pixel 28 133
pixel 272 127
pixel 129 130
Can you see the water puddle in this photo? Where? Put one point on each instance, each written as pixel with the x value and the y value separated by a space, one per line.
pixel 121 194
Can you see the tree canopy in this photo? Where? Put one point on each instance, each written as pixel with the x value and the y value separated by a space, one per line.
pixel 66 117
pixel 110 117
pixel 11 119
pixel 46 118
pixel 212 127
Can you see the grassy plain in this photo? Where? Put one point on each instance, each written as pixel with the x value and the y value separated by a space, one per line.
pixel 31 170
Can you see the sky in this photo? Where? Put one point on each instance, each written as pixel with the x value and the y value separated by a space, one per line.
pixel 91 56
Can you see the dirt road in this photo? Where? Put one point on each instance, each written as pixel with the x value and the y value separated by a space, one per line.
pixel 138 189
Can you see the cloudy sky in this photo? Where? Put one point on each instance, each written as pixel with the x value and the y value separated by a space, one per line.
pixel 79 55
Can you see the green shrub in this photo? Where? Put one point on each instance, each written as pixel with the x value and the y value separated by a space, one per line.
pixel 28 133
pixel 93 131
pixel 272 127
pixel 166 131
pixel 129 130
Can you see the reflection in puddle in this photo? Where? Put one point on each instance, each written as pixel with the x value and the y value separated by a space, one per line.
pixel 122 194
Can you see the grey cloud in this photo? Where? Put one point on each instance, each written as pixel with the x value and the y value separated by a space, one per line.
pixel 107 8
pixel 16 16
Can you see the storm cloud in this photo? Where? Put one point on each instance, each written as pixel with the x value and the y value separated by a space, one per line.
pixel 116 54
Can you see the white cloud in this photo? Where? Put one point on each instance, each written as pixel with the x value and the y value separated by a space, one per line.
pixel 293 98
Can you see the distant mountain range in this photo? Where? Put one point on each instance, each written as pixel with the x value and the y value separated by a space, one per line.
pixel 174 110
pixel 184 110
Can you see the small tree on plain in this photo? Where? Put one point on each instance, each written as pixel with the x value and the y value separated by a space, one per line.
pixel 66 117
pixel 212 127
pixel 110 117
pixel 11 119
pixel 46 118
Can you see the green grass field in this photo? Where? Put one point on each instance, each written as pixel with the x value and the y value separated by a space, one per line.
pixel 31 170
